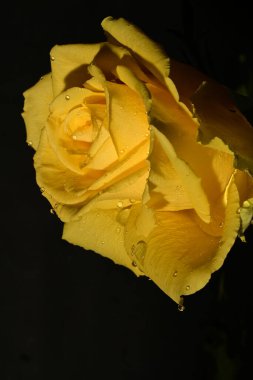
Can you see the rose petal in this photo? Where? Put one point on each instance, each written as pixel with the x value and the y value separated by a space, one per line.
pixel 69 64
pixel 56 180
pixel 130 36
pixel 178 255
pixel 129 125
pixel 128 77
pixel 244 183
pixel 36 109
pixel 220 118
pixel 212 165
pixel 190 182
pixel 99 231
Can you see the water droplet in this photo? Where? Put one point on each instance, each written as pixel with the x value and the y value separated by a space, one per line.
pixel 67 97
pixel 74 137
pixel 187 287
pixel 51 211
pixel 56 205
pixel 102 242
pixel 238 210
pixel 122 151
pixel 221 224
pixel 134 264
pixel 147 134
pixel 132 200
pixel 52 57
pixel 42 190
pixel 118 230
pixel 29 143
pixel 41 78
pixel 120 204
pixel 220 242
pixel 175 273
pixel 180 305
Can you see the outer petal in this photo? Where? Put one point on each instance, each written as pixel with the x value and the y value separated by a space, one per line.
pixel 69 65
pixel 213 166
pixel 176 253
pixel 99 231
pixel 134 39
pixel 244 183
pixel 220 118
pixel 190 182
pixel 36 109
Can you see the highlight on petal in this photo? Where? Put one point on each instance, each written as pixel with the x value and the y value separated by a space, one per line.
pixel 177 254
pixel 100 231
pixel 128 35
pixel 69 64
pixel 219 117
pixel 36 109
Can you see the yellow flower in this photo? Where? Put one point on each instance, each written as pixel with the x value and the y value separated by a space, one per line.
pixel 145 160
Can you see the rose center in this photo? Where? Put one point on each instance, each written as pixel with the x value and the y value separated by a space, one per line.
pixel 79 126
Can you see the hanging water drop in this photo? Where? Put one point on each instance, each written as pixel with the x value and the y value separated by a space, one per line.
pixel 180 305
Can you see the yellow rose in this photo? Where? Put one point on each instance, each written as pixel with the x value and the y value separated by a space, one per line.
pixel 145 160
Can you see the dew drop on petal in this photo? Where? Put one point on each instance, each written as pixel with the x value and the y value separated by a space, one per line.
pixel 120 204
pixel 52 57
pixel 187 287
pixel 220 242
pixel 29 143
pixel 180 305
pixel 175 273
pixel 67 97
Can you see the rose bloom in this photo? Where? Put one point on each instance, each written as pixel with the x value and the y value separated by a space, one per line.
pixel 146 161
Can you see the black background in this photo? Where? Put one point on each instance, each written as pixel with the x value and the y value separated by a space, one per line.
pixel 70 314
